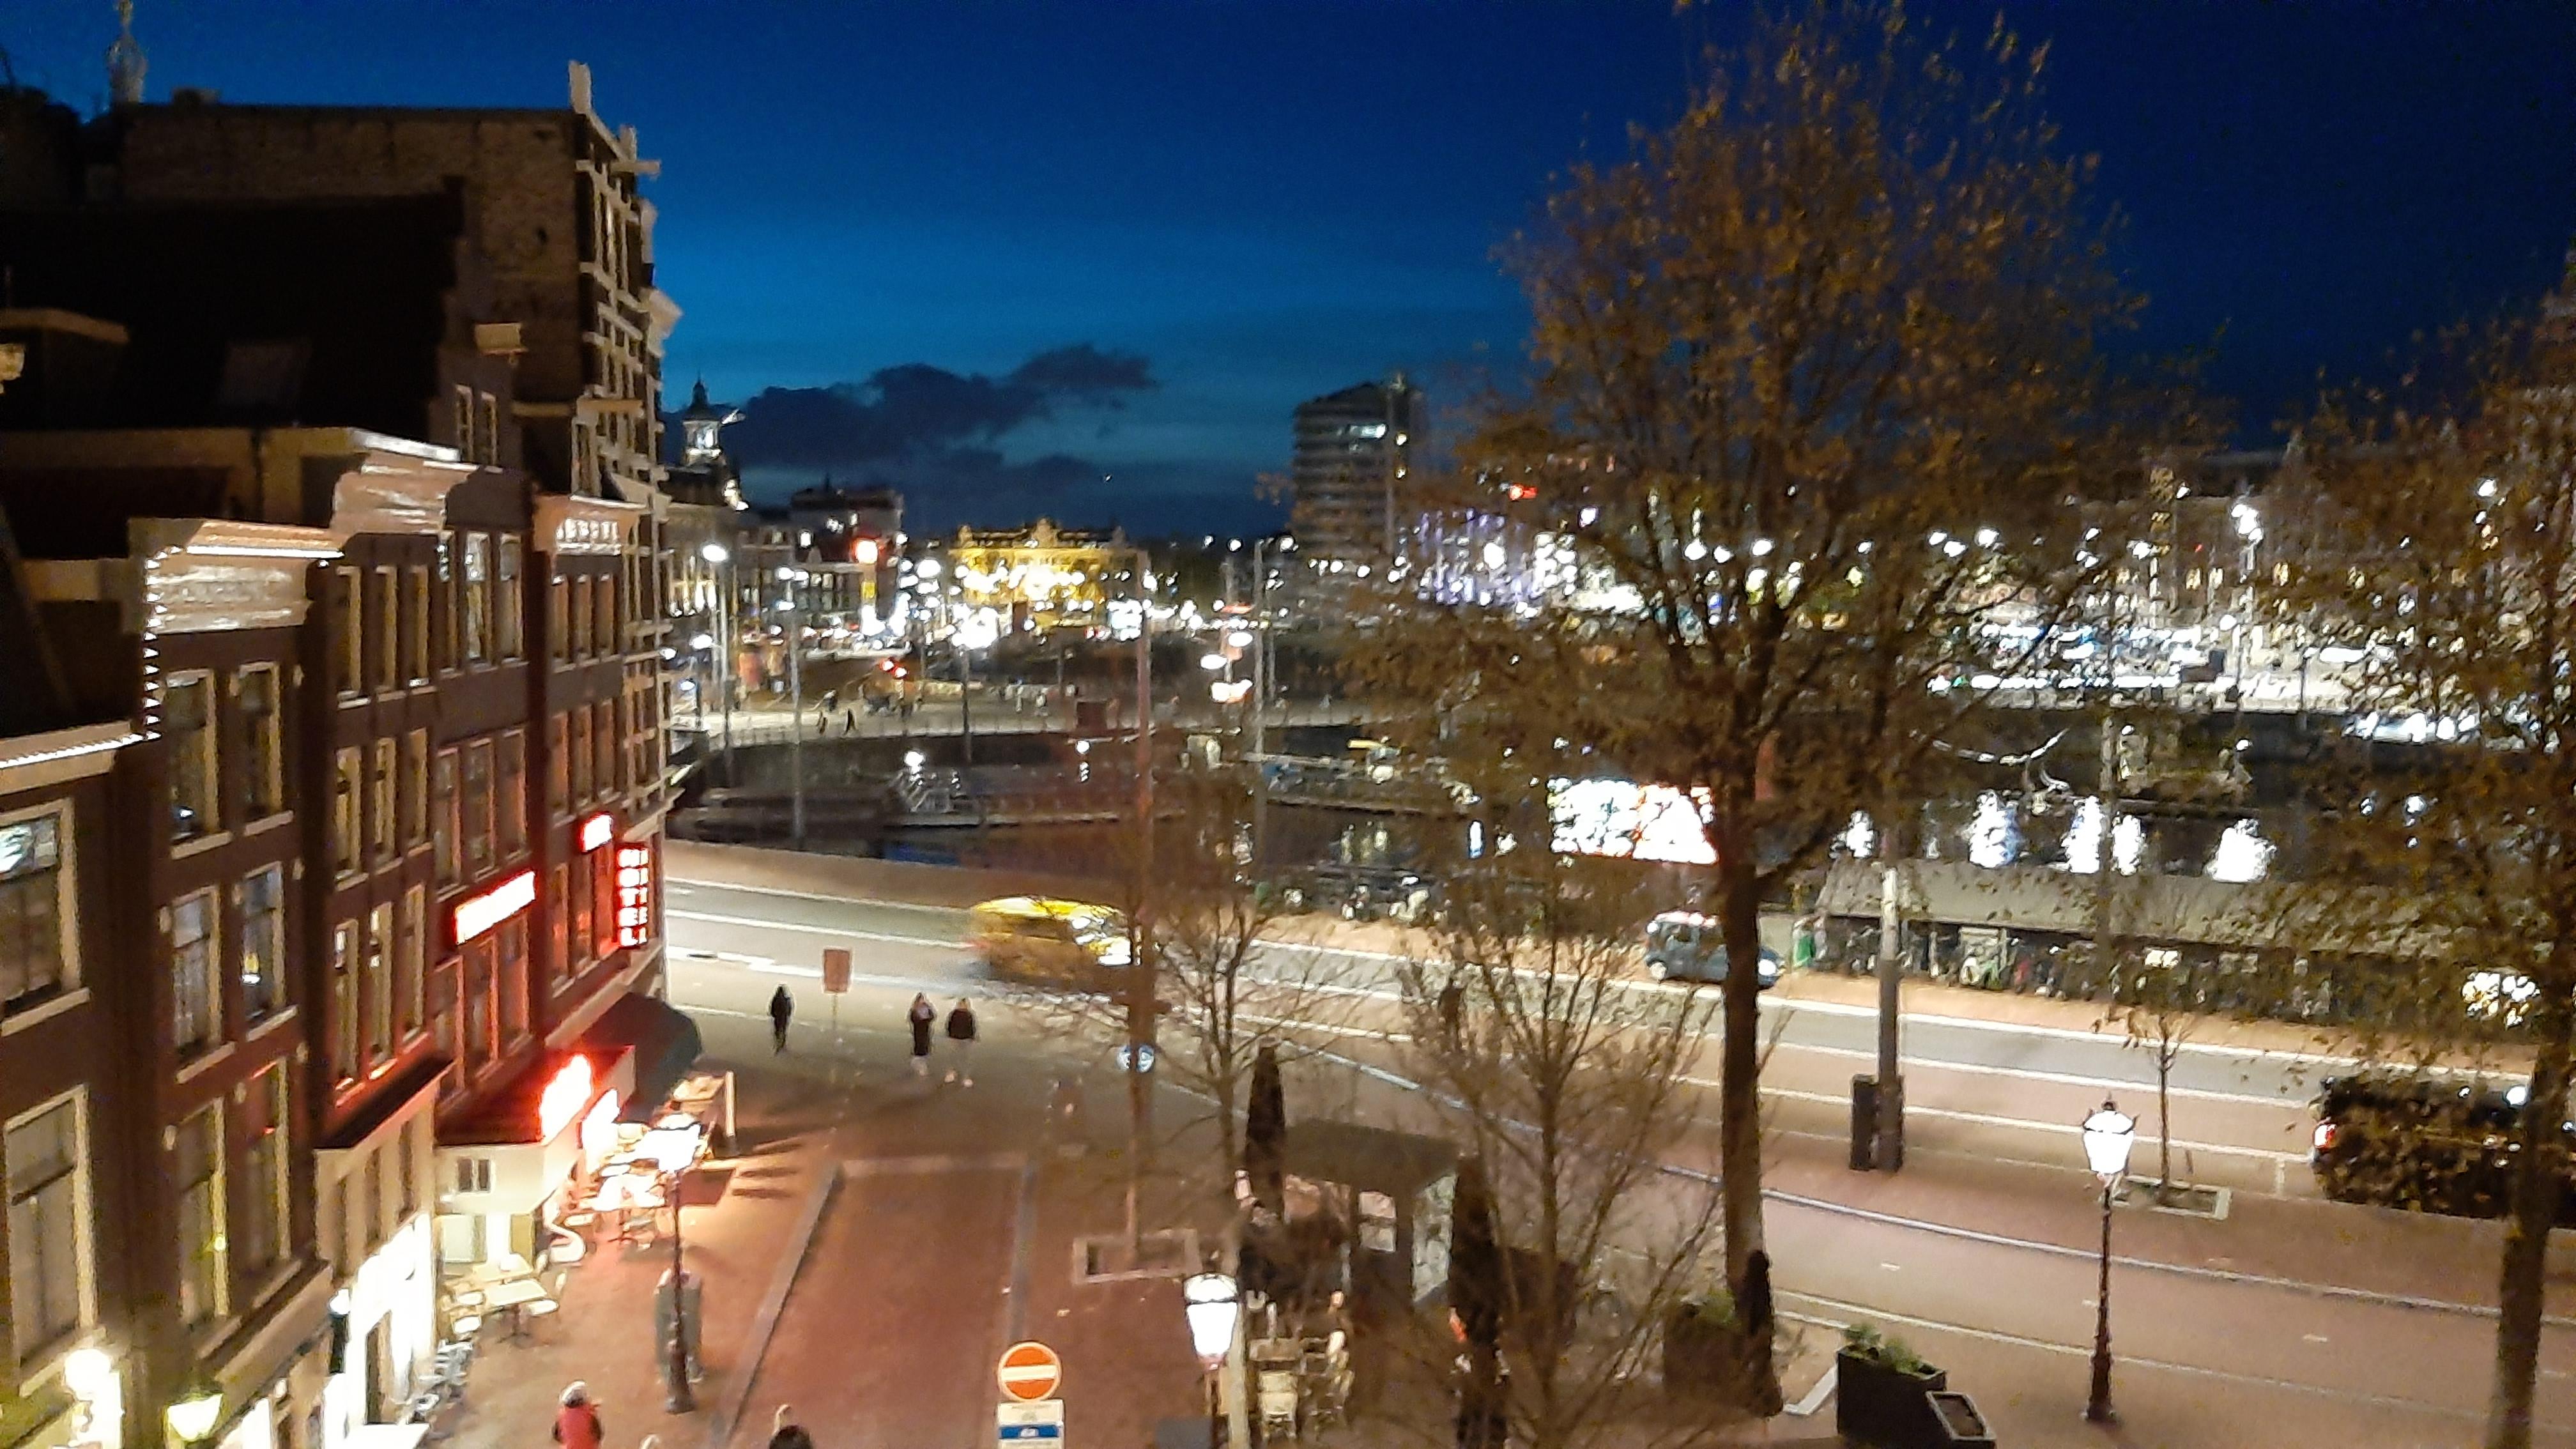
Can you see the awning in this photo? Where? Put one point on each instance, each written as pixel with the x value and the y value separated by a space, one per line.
pixel 665 1043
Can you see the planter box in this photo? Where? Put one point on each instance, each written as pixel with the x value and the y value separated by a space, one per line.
pixel 1705 1360
pixel 1881 1407
pixel 1959 1423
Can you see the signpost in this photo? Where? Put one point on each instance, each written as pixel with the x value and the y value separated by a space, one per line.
pixel 836 970
pixel 1029 1373
pixel 1038 1425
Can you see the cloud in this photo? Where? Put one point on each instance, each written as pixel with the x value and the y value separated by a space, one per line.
pixel 920 421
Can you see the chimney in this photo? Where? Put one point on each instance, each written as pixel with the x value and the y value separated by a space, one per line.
pixel 581 87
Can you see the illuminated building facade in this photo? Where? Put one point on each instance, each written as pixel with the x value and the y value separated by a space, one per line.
pixel 1036 578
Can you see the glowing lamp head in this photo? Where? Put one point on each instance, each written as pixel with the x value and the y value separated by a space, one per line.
pixel 89 1373
pixel 2109 1134
pixel 713 552
pixel 192 1415
pixel 1209 1301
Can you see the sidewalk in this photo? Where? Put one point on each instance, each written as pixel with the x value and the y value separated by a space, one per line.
pixel 740 1224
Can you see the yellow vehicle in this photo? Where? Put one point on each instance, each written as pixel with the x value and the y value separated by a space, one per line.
pixel 1043 938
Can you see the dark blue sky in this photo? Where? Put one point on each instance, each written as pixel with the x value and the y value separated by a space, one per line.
pixel 1266 201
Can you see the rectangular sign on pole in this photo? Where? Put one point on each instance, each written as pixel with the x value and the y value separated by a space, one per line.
pixel 1038 1425
pixel 836 970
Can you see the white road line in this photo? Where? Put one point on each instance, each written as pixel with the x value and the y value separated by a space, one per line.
pixel 836 932
pixel 680 883
pixel 2018 1124
pixel 2033 1074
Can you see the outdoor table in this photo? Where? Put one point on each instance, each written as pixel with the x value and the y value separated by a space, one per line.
pixel 513 1297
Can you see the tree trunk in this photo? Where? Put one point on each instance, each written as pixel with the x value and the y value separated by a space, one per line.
pixel 2164 1122
pixel 1739 1100
pixel 2538 1182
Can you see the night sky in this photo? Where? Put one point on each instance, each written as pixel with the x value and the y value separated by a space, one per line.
pixel 1082 258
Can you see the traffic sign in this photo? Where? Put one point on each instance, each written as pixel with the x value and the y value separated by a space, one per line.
pixel 1030 1372
pixel 1039 1425
pixel 836 970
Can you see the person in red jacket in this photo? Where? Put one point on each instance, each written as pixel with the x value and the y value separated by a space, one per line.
pixel 577 1422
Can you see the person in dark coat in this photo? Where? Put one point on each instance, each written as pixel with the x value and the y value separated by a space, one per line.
pixel 782 1008
pixel 961 1042
pixel 922 1016
pixel 786 1433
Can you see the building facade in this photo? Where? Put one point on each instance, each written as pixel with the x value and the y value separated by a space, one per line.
pixel 1354 449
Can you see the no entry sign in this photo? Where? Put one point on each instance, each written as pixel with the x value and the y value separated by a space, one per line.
pixel 1030 1372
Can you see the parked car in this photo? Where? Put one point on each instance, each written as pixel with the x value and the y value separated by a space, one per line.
pixel 1046 939
pixel 1685 946
pixel 2432 1144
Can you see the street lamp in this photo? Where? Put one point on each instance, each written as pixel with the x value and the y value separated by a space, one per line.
pixel 722 671
pixel 2109 1134
pixel 672 1146
pixel 1214 1310
pixel 192 1415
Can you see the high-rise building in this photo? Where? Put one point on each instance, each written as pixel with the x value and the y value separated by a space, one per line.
pixel 1353 448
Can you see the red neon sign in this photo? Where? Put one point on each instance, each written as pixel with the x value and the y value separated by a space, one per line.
pixel 476 914
pixel 634 894
pixel 564 1098
pixel 597 831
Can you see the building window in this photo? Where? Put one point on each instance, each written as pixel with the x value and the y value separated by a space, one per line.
pixel 35 951
pixel 262 920
pixel 414 801
pixel 477 626
pixel 407 1167
pixel 559 619
pixel 603 903
pixel 263 736
pixel 199 1172
pixel 473 1174
pixel 346 786
pixel 411 963
pixel 47 1158
pixel 461 422
pixel 603 739
pixel 480 1048
pixel 264 1154
pixel 380 801
pixel 187 717
pixel 442 1019
pixel 415 650
pixel 348 634
pixel 377 985
pixel 581 616
pixel 508 606
pixel 580 900
pixel 558 800
pixel 603 613
pixel 443 818
pixel 580 753
pixel 443 627
pixel 510 801
pixel 562 918
pixel 514 979
pixel 196 998
pixel 344 1002
pixel 384 630
pixel 478 809
pixel 487 428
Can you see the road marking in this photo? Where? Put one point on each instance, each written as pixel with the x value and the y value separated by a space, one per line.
pixel 2019 1124
pixel 1892 1267
pixel 682 883
pixel 934 1163
pixel 2032 1074
pixel 836 932
pixel 2313 1338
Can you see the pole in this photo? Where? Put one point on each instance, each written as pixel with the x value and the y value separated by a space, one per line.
pixel 681 1399
pixel 1260 699
pixel 1140 969
pixel 795 717
pixel 2097 1409
pixel 732 642
pixel 965 701
pixel 1889 1153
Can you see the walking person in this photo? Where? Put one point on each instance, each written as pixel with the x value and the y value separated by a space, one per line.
pixel 922 1015
pixel 1452 997
pixel 961 1037
pixel 577 1422
pixel 782 1009
pixel 786 1433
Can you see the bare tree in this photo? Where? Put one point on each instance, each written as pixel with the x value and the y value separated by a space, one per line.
pixel 2437 539
pixel 1814 387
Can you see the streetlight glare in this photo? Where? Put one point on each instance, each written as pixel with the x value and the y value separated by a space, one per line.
pixel 713 552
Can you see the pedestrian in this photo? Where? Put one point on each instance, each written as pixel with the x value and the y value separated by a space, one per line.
pixel 785 1432
pixel 961 1035
pixel 850 720
pixel 823 716
pixel 782 1009
pixel 921 1016
pixel 1453 998
pixel 577 1422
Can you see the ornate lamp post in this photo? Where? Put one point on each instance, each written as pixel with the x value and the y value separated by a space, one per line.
pixel 192 1415
pixel 673 1147
pixel 2109 1134
pixel 1214 1309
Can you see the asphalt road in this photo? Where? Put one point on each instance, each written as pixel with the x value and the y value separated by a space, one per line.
pixel 2240 1118
pixel 2206 1358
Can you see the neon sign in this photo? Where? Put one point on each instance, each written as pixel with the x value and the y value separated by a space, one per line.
pixel 564 1098
pixel 477 914
pixel 597 831
pixel 634 894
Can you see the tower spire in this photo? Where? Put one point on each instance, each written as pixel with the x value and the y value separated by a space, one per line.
pixel 125 62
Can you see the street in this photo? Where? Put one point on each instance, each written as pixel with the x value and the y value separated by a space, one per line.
pixel 2364 1324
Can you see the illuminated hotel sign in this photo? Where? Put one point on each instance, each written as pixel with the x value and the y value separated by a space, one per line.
pixel 477 914
pixel 634 894
pixel 564 1098
pixel 597 831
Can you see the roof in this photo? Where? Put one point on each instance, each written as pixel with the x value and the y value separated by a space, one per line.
pixel 1034 907
pixel 257 313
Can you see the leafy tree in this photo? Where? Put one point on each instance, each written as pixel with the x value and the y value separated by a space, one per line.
pixel 1814 381
pixel 2435 532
